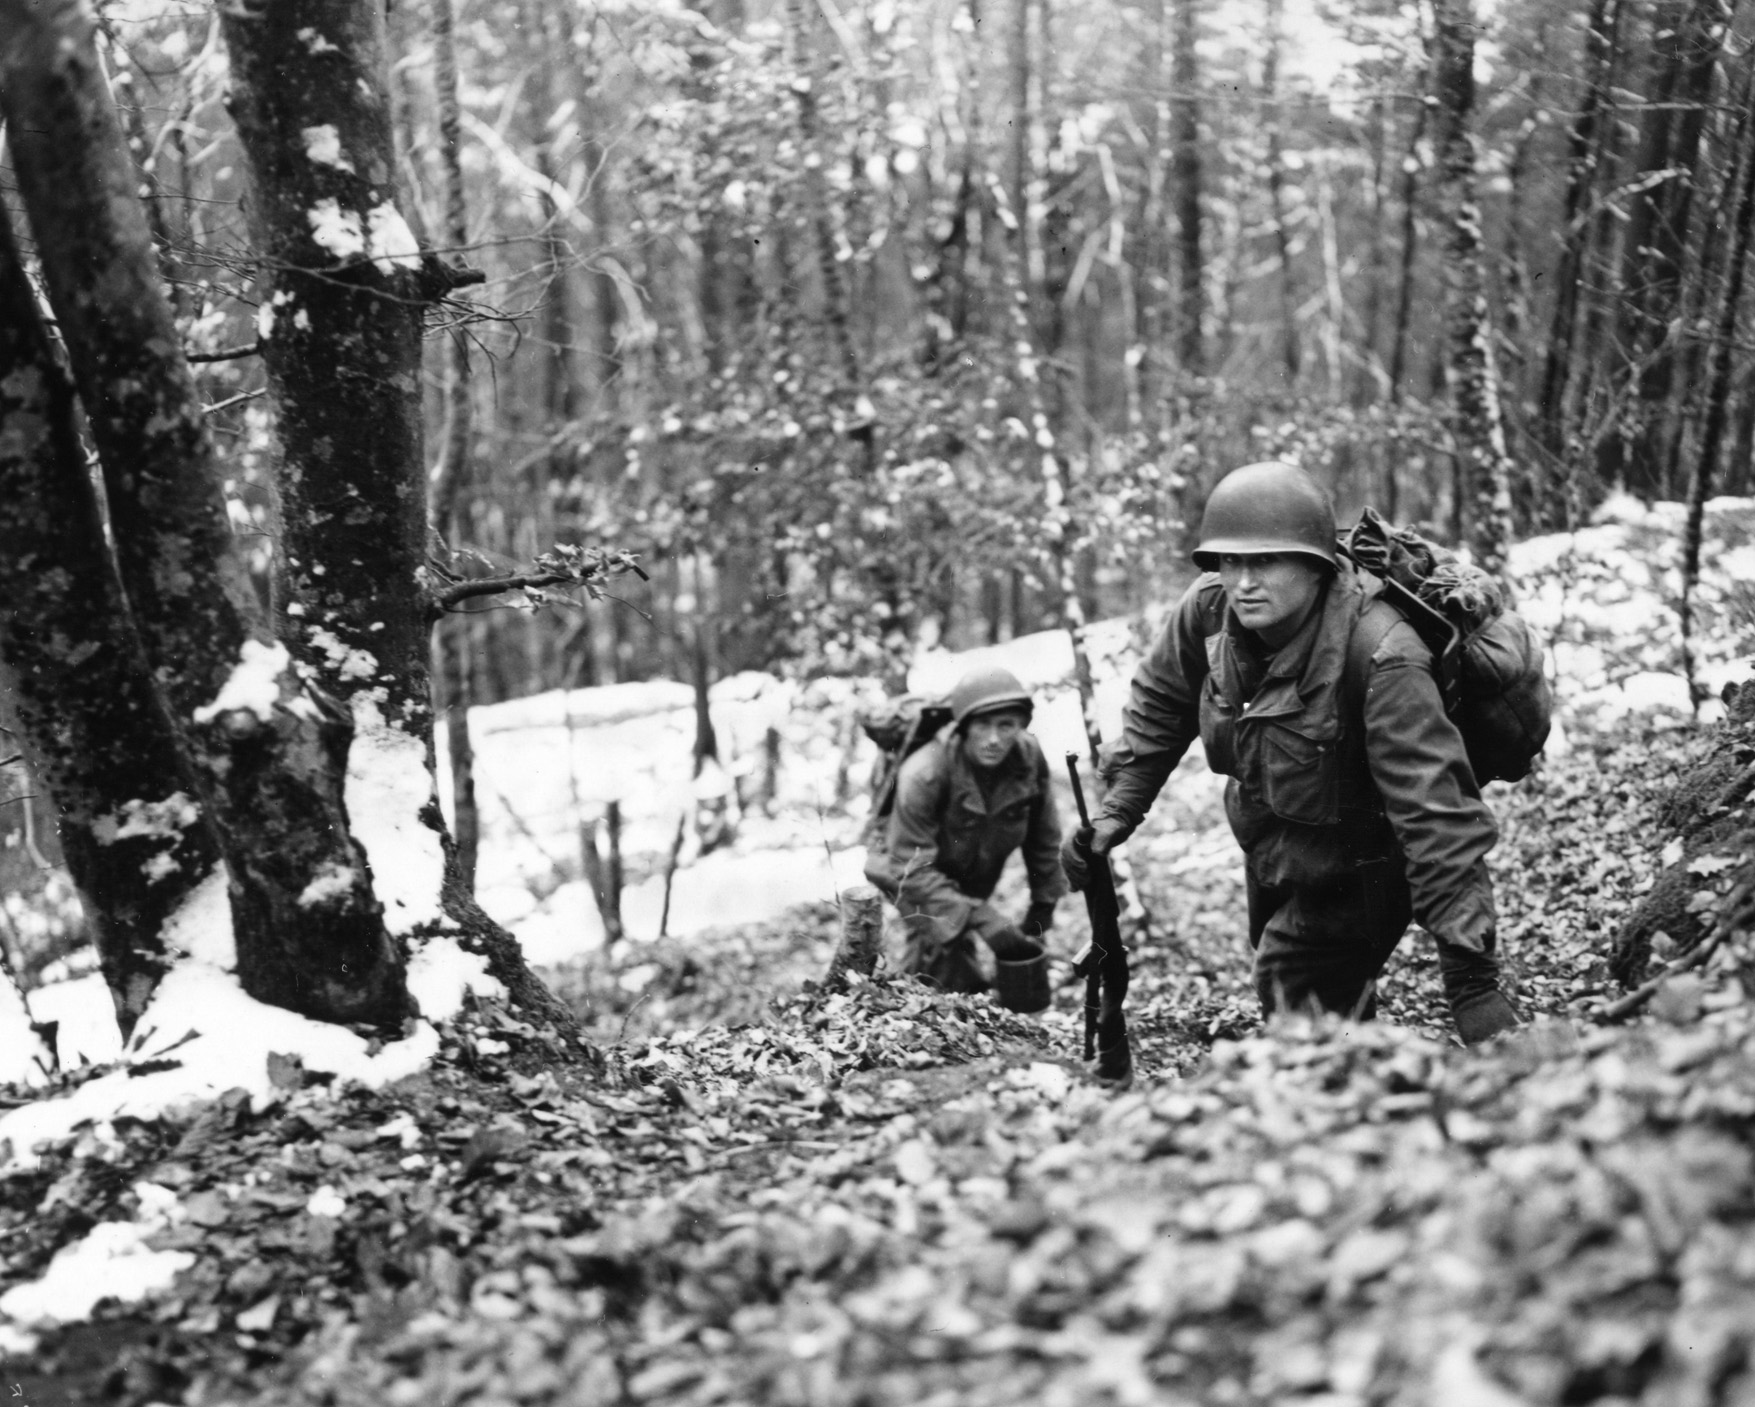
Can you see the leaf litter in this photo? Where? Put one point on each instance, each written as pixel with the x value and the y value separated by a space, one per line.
pixel 773 1195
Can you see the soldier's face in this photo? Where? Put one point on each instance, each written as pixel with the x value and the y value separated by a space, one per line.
pixel 1271 592
pixel 989 737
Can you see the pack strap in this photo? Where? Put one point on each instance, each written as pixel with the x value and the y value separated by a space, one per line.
pixel 1380 615
pixel 1377 618
pixel 885 801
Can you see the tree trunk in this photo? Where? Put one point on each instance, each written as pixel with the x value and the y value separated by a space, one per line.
pixel 131 834
pixel 453 467
pixel 1404 302
pixel 1371 366
pixel 1019 176
pixel 1585 152
pixel 1334 293
pixel 1718 389
pixel 1514 273
pixel 1470 374
pixel 1690 37
pixel 1276 183
pixel 262 755
pixel 450 480
pixel 862 934
pixel 1186 180
pixel 350 292
pixel 1153 278
pixel 809 73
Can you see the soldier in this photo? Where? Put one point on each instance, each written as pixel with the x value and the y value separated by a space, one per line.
pixel 1350 792
pixel 964 802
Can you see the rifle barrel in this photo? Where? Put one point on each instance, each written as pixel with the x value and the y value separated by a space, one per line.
pixel 1078 790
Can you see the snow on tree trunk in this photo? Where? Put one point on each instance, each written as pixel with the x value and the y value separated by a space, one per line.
pixel 263 758
pixel 344 288
pixel 130 833
pixel 1472 379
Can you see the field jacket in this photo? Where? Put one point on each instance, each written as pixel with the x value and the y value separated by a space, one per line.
pixel 1328 772
pixel 947 843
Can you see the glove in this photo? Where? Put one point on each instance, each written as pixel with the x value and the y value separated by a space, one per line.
pixel 1098 839
pixel 1038 919
pixel 1471 982
pixel 1480 1018
pixel 1008 945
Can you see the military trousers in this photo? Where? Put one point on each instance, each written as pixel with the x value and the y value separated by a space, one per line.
pixel 950 960
pixel 1321 946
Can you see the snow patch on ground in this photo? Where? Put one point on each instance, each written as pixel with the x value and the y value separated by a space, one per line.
pixel 112 1262
pixel 212 1038
pixel 723 889
pixel 24 1059
pixel 1606 598
pixel 206 1032
pixel 441 974
pixel 84 1017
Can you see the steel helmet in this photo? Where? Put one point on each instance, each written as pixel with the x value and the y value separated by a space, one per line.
pixel 1268 507
pixel 986 689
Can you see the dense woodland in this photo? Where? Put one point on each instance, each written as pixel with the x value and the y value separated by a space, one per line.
pixel 864 325
pixel 360 365
pixel 795 300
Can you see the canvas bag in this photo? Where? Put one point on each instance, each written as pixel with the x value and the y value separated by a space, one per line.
pixel 1489 660
pixel 900 726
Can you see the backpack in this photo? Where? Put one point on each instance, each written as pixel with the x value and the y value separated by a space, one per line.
pixel 1489 660
pixel 900 727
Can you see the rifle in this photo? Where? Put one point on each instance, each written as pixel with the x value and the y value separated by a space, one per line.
pixel 1103 964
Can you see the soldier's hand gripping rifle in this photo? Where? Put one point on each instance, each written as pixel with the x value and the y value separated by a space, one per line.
pixel 1103 964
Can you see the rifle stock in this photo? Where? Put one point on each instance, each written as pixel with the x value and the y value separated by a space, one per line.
pixel 1105 962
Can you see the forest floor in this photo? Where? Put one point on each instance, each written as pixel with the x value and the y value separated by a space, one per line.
pixel 774 1196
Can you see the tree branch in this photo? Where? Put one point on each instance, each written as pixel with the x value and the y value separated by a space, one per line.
pixel 230 354
pixel 461 591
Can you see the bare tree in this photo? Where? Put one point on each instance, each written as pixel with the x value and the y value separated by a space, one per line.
pixel 1185 170
pixel 1689 35
pixel 258 749
pixel 1741 241
pixel 1586 136
pixel 1276 184
pixel 130 827
pixel 1470 373
pixel 259 735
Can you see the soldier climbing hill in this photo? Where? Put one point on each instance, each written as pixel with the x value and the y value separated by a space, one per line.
pixel 963 803
pixel 1351 791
